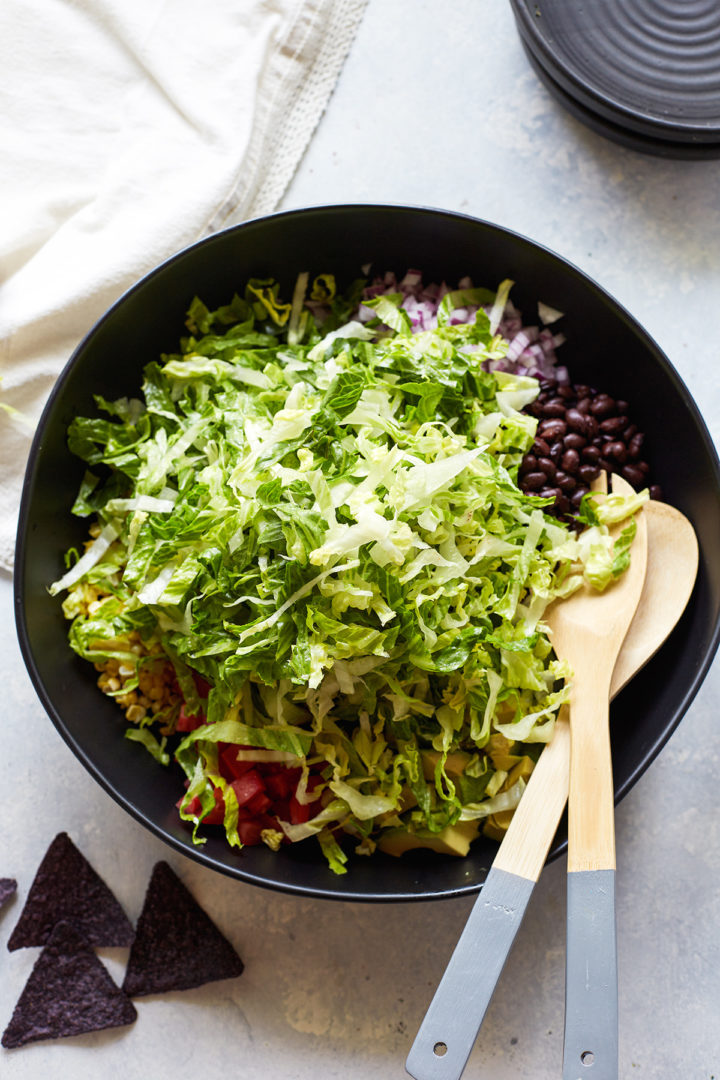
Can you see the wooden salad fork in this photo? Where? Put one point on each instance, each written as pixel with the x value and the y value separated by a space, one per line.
pixel 588 630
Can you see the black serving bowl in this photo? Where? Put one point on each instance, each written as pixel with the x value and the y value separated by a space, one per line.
pixel 605 347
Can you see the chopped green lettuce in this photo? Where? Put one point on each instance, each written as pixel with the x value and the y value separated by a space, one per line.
pixel 324 522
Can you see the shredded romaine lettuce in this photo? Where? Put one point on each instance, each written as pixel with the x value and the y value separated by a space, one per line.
pixel 323 521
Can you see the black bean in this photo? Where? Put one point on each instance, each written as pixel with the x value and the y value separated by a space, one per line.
pixel 552 429
pixel 591 427
pixel 534 481
pixel 616 451
pixel 580 431
pixel 656 492
pixel 603 406
pixel 553 410
pixel 613 425
pixel 588 473
pixel 575 421
pixel 633 475
pixel 570 461
pixel 635 446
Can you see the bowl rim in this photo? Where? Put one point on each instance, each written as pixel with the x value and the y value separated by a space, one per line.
pixel 196 852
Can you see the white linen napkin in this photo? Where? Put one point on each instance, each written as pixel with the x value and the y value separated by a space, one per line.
pixel 130 129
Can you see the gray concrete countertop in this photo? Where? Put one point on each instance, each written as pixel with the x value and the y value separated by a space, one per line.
pixel 436 106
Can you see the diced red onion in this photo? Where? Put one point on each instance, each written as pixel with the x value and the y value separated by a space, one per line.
pixel 531 350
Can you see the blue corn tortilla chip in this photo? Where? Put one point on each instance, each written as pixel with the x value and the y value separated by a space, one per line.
pixel 177 946
pixel 69 992
pixel 8 886
pixel 67 888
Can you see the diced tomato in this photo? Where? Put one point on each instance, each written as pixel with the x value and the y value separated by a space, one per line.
pixel 216 815
pixel 250 826
pixel 280 785
pixel 314 782
pixel 259 803
pixel 245 787
pixel 188 721
pixel 265 793
pixel 185 722
pixel 193 807
pixel 202 686
pixel 299 812
pixel 249 832
pixel 230 767
pixel 281 809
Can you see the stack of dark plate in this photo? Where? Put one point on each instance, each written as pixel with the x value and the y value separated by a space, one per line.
pixel 645 73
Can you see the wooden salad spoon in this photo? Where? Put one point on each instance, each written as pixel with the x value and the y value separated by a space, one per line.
pixel 455 1015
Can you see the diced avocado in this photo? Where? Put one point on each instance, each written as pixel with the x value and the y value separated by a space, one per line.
pixel 520 771
pixel 454 766
pixel 496 825
pixel 452 840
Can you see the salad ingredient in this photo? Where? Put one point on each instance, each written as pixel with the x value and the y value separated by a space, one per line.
pixel 529 349
pixel 452 840
pixel 312 545
pixel 177 946
pixel 69 992
pixel 580 432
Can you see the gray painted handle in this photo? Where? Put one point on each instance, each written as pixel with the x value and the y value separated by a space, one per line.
pixel 448 1032
pixel 591 988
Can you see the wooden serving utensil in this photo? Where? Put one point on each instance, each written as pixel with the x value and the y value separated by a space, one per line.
pixel 588 630
pixel 455 1015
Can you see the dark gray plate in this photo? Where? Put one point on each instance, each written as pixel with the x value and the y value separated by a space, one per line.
pixel 651 66
pixel 624 136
